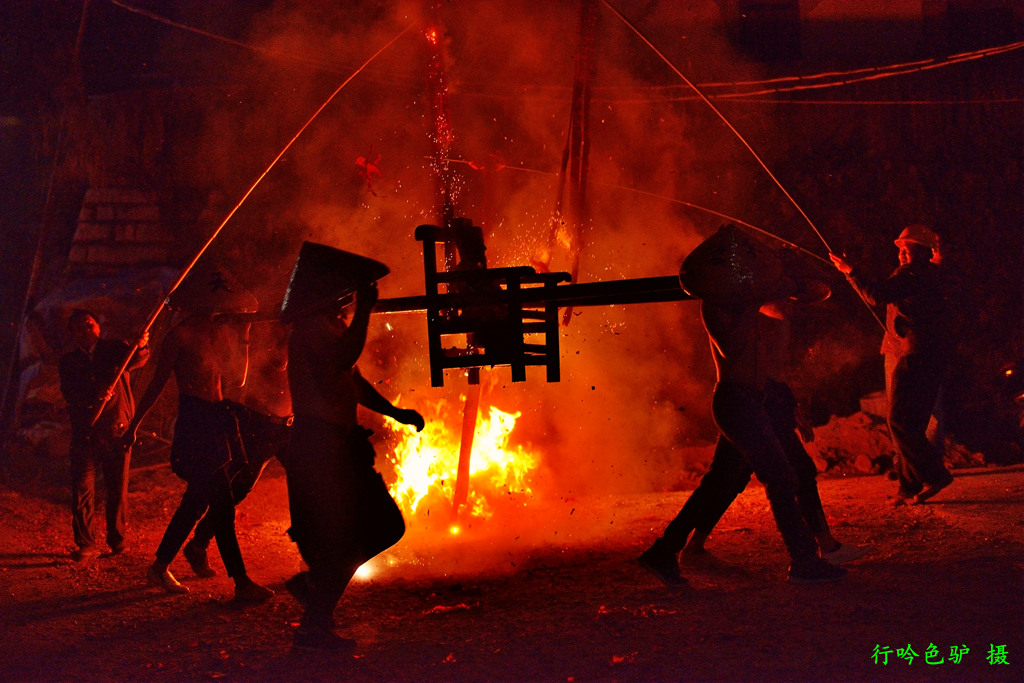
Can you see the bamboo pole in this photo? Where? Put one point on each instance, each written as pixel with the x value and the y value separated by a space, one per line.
pixel 202 250
pixel 739 136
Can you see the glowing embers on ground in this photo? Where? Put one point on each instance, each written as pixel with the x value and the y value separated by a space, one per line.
pixel 426 465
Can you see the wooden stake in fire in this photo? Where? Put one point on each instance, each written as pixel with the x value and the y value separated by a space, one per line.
pixel 443 136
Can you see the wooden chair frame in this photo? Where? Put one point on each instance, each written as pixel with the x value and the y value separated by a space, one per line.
pixel 502 289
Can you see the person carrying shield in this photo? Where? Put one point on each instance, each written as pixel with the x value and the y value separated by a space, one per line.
pixel 341 512
pixel 734 276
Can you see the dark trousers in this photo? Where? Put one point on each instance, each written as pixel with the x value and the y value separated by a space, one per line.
pixel 85 456
pixel 323 486
pixel 211 496
pixel 913 391
pixel 207 453
pixel 263 437
pixel 729 475
pixel 743 421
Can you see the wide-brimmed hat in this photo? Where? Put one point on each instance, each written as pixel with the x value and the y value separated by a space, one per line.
pixel 918 234
pixel 733 267
pixel 324 275
pixel 804 292
pixel 211 289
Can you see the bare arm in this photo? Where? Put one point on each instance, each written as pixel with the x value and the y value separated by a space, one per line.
pixel 354 339
pixel 140 354
pixel 372 399
pixel 169 350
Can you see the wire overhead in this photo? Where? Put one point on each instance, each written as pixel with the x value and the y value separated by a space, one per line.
pixel 213 236
pixel 720 115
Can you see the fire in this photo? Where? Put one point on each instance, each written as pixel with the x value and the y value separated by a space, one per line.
pixel 426 464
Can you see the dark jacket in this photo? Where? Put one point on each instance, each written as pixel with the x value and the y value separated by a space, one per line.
pixel 84 379
pixel 917 317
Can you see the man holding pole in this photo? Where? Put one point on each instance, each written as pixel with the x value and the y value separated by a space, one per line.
pixel 86 374
pixel 917 346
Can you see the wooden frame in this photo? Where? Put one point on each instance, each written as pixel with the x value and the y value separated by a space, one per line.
pixel 500 292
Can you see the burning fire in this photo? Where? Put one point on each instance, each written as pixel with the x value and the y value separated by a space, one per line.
pixel 426 463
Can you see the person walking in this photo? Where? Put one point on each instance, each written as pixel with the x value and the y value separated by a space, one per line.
pixel 341 513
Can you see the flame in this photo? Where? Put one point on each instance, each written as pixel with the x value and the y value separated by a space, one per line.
pixel 426 464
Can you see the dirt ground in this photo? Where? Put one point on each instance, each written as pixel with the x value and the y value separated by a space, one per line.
pixel 544 591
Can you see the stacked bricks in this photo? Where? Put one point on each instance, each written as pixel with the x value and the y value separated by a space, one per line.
pixel 118 228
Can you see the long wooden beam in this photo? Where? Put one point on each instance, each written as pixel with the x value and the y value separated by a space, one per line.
pixel 608 293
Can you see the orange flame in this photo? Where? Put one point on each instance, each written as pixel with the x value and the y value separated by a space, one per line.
pixel 426 464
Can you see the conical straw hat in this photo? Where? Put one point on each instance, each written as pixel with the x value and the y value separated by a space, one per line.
pixel 323 275
pixel 732 267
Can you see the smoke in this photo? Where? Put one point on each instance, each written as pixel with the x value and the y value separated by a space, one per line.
pixel 636 380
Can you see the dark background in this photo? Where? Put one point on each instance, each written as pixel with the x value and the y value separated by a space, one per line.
pixel 941 146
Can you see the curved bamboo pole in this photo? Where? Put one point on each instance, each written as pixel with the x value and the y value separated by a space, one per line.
pixel 191 264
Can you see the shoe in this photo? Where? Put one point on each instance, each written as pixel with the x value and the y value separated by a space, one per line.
pixel 300 588
pixel 815 570
pixel 197 559
pixel 322 639
pixel 86 554
pixel 251 593
pixel 846 552
pixel 929 491
pixel 663 565
pixel 902 498
pixel 166 580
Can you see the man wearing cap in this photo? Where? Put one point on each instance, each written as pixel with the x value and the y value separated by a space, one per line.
pixel 917 347
pixel 329 464
pixel 205 353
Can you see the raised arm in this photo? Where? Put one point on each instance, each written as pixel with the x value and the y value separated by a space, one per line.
pixel 354 339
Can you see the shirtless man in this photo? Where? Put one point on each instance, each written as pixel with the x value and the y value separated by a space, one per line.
pixel 264 412
pixel 734 278
pixel 739 412
pixel 205 355
pixel 329 465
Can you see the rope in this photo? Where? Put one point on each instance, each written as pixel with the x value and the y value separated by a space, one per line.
pixel 184 273
pixel 723 118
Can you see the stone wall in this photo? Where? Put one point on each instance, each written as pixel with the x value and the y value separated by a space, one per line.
pixel 120 228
